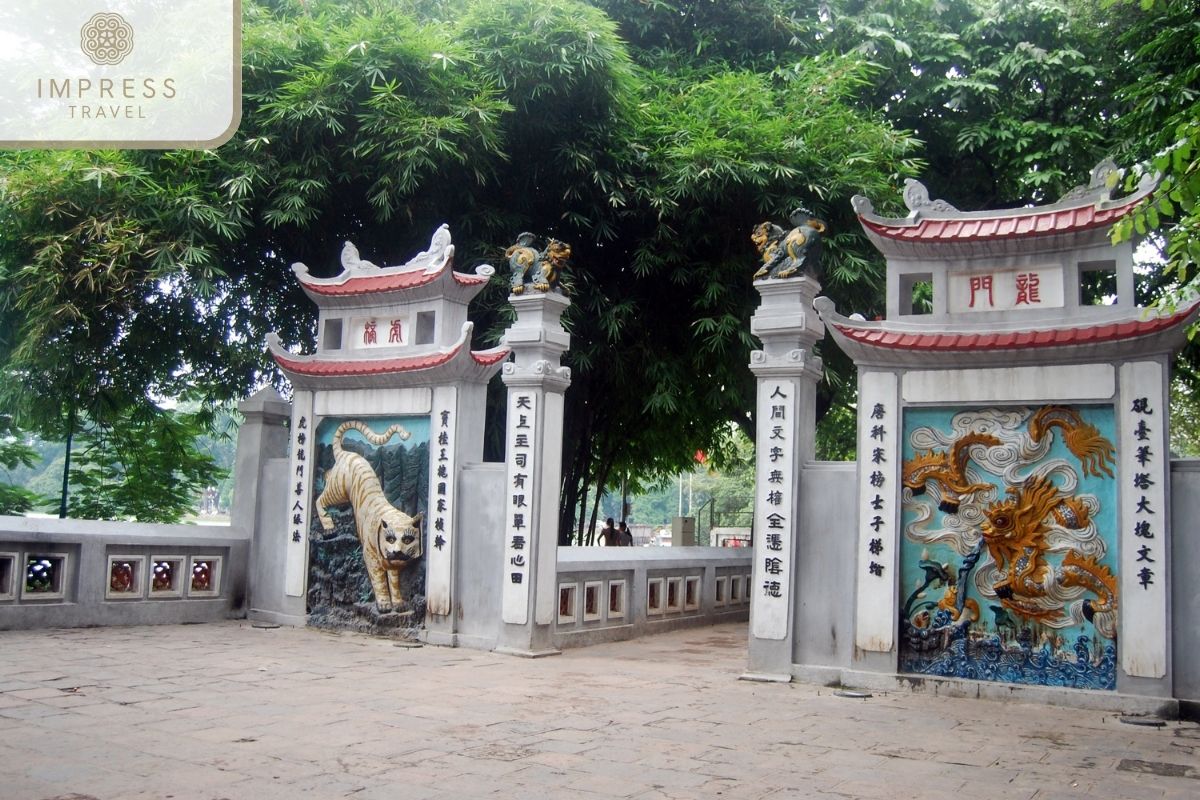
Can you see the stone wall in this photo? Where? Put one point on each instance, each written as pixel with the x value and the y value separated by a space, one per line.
pixel 586 580
pixel 74 573
pixel 612 593
pixel 824 602
pixel 1185 584
pixel 476 595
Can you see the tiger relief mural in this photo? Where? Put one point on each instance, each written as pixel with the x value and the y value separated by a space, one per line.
pixel 1008 553
pixel 371 484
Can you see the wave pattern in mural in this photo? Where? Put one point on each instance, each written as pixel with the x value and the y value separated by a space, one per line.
pixel 1009 547
pixel 371 485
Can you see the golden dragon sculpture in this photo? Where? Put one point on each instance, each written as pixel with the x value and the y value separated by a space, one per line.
pixel 948 468
pixel 1084 440
pixel 1014 532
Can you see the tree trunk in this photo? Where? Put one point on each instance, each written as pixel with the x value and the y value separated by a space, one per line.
pixel 574 482
pixel 583 499
pixel 625 496
pixel 566 518
pixel 66 476
pixel 601 481
pixel 595 512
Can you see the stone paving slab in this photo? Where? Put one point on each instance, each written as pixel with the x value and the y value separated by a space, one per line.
pixel 232 712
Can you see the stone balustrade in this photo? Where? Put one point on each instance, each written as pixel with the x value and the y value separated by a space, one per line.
pixel 610 594
pixel 74 573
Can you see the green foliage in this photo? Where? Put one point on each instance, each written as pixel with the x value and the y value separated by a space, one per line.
pixel 837 434
pixel 1162 131
pixel 219 442
pixel 748 34
pixel 91 263
pixel 142 466
pixel 1013 100
pixel 1185 415
pixel 650 134
pixel 377 122
pixel 15 452
pixel 718 492
pixel 708 154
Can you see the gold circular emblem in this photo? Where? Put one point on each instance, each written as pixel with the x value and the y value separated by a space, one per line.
pixel 106 38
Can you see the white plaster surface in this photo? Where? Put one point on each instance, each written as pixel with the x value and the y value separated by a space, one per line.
pixel 826 564
pixel 296 563
pixel 381 336
pixel 1011 289
pixel 518 561
pixel 372 402
pixel 480 549
pixel 875 606
pixel 88 548
pixel 439 561
pixel 1185 592
pixel 548 477
pixel 1143 609
pixel 1011 384
pixel 775 521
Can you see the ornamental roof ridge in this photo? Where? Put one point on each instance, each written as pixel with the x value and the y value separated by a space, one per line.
pixel 1096 195
pixel 362 281
pixel 427 264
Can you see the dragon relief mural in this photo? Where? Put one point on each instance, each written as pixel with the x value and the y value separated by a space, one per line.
pixel 1009 545
pixel 371 488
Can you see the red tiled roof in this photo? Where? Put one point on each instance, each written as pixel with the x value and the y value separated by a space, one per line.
pixel 462 279
pixel 1009 340
pixel 368 284
pixel 382 366
pixel 1002 227
pixel 364 366
pixel 489 357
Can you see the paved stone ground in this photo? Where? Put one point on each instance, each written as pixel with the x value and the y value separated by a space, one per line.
pixel 203 712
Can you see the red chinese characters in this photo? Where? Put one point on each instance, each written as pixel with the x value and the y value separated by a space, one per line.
pixel 981 284
pixel 1027 288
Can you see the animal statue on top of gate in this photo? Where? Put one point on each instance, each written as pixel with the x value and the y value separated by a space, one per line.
pixel 540 271
pixel 786 253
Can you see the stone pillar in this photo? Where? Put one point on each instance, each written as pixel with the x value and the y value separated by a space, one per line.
pixel 787 373
pixel 1144 536
pixel 299 505
pixel 262 437
pixel 536 383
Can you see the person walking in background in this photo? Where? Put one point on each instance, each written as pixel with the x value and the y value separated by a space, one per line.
pixel 625 535
pixel 609 537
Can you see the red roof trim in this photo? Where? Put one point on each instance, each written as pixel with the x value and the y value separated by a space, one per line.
pixel 1009 340
pixel 385 366
pixel 463 279
pixel 1001 226
pixel 365 366
pixel 369 284
pixel 490 358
